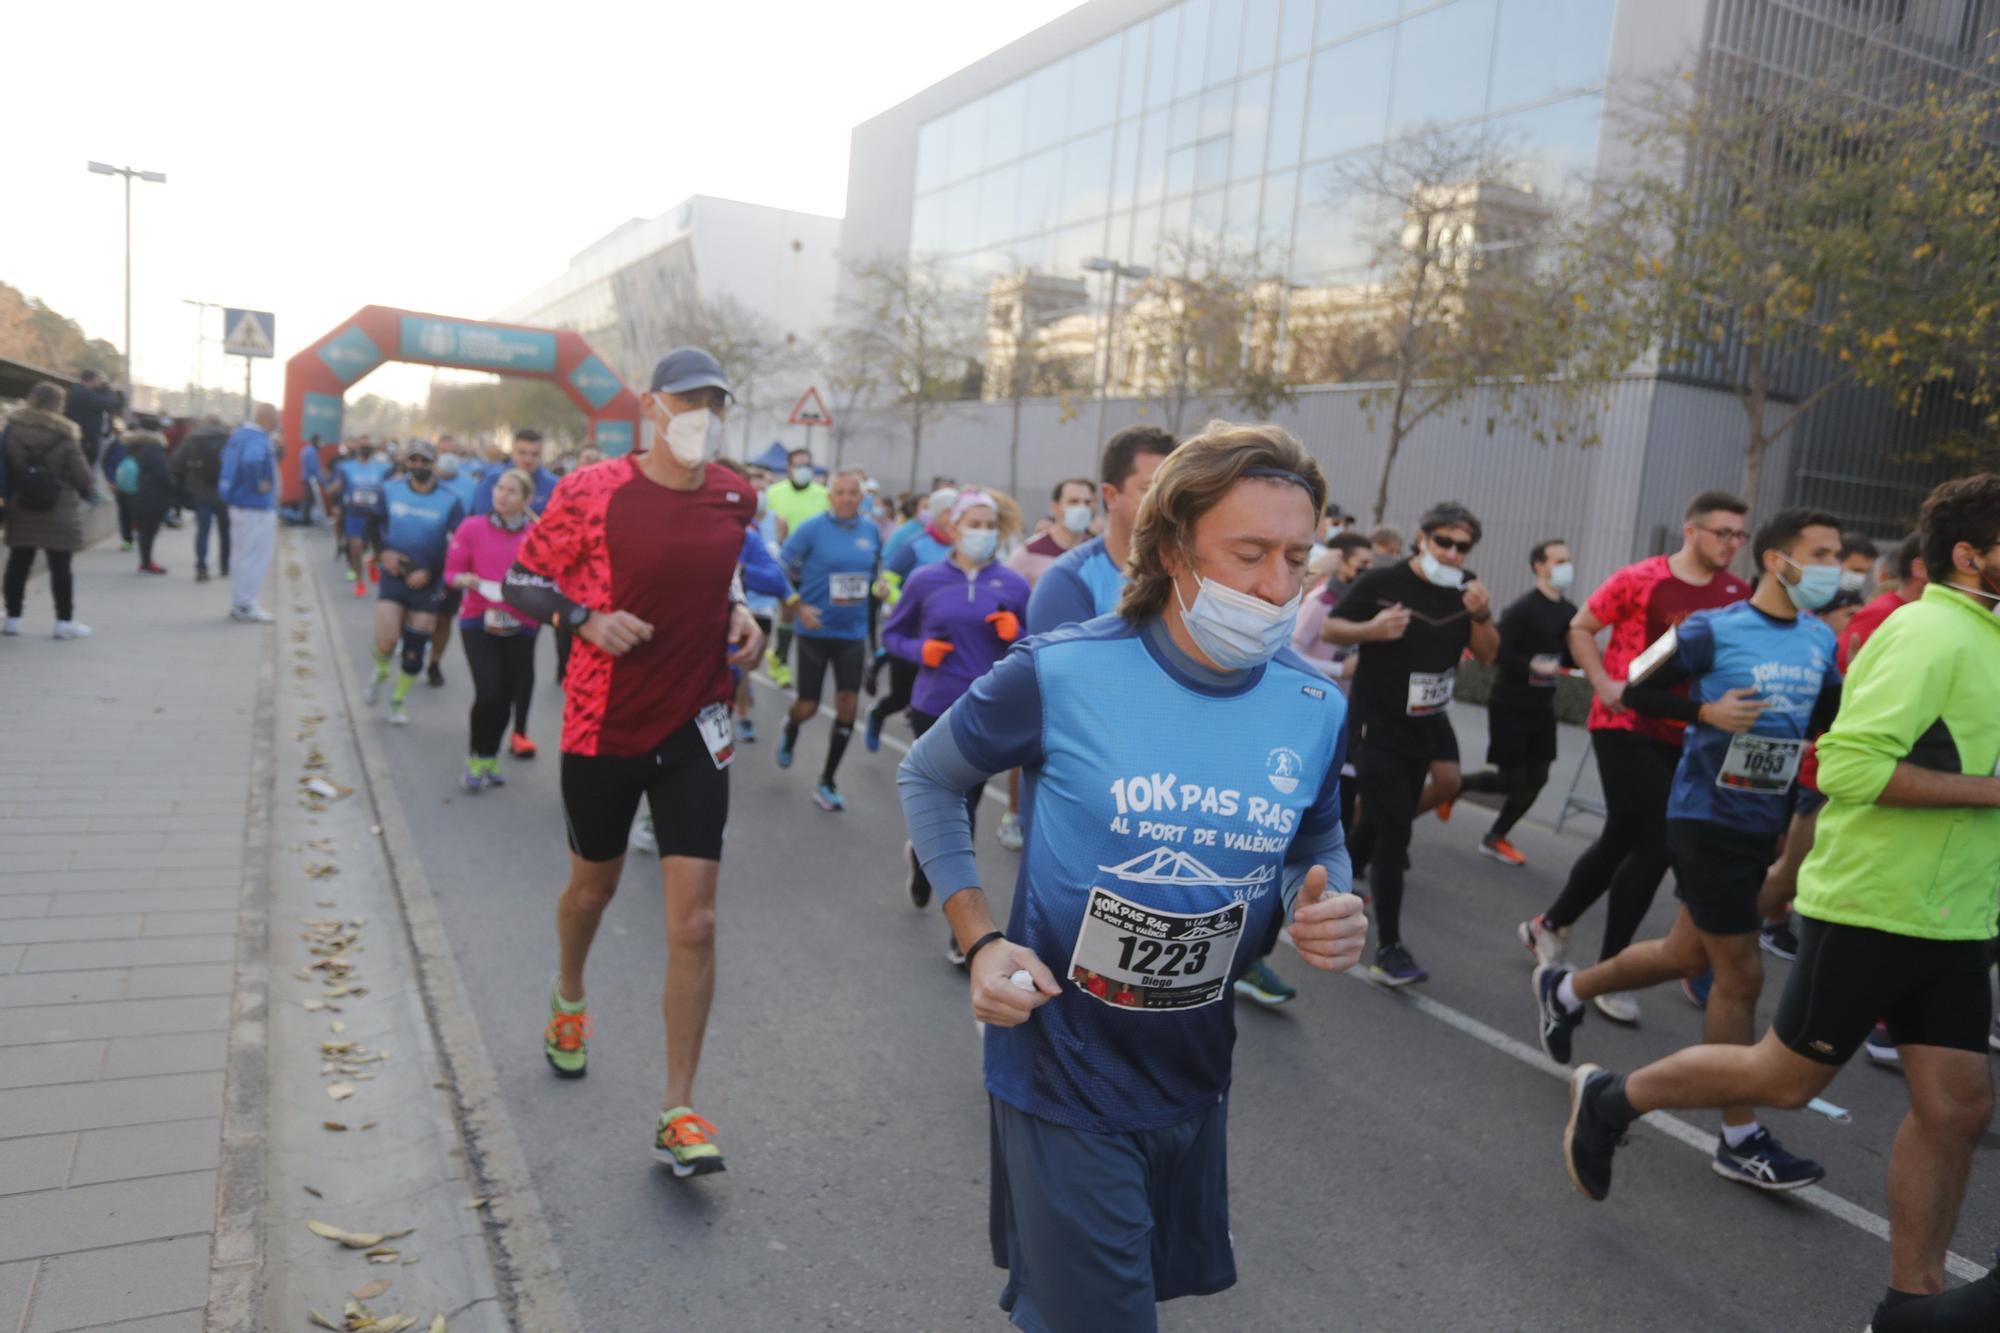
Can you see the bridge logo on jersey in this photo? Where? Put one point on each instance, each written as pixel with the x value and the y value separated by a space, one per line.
pixel 1164 865
pixel 1284 767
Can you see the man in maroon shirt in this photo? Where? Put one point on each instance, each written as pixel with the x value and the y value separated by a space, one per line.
pixel 638 556
pixel 1636 756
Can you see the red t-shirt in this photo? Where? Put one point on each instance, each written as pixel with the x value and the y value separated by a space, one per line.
pixel 1640 603
pixel 612 539
pixel 1865 622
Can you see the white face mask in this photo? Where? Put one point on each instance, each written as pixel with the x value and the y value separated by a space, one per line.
pixel 694 437
pixel 1852 580
pixel 1438 572
pixel 1333 530
pixel 1076 518
pixel 1236 630
pixel 978 543
pixel 802 475
pixel 1562 576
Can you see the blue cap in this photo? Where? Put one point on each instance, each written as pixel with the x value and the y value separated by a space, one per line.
pixel 687 368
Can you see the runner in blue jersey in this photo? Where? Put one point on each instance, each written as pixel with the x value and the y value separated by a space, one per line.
pixel 419 518
pixel 1185 803
pixel 767 533
pixel 833 558
pixel 463 485
pixel 357 487
pixel 1088 579
pixel 527 456
pixel 1762 681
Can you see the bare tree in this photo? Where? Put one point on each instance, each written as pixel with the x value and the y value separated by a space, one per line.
pixel 1792 236
pixel 1470 283
pixel 915 334
pixel 1188 330
pixel 1023 358
pixel 851 383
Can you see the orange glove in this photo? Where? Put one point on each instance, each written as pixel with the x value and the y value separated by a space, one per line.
pixel 1006 624
pixel 934 652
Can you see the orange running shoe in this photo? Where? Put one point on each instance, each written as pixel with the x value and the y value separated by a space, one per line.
pixel 1502 850
pixel 563 1041
pixel 522 747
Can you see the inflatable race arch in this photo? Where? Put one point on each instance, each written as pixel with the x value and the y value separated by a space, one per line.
pixel 317 378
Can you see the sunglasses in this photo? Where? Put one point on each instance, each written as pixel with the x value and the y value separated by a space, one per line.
pixel 1451 543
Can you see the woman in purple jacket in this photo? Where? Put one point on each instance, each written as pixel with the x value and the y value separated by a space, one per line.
pixel 956 618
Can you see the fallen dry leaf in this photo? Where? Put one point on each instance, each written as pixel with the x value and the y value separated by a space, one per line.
pixel 310 1190
pixel 353 1240
pixel 334 1125
pixel 368 1291
pixel 382 1256
pixel 477 1203
pixel 340 1092
pixel 322 1320
pixel 437 1324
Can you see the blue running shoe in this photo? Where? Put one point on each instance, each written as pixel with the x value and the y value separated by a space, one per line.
pixel 472 781
pixel 493 778
pixel 1762 1164
pixel 1556 1020
pixel 1395 967
pixel 1697 988
pixel 746 731
pixel 872 737
pixel 785 744
pixel 1263 986
pixel 827 798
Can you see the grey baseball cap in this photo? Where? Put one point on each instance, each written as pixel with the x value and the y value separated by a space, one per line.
pixel 687 368
pixel 420 449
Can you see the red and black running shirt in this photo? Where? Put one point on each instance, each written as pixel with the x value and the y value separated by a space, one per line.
pixel 1640 603
pixel 612 539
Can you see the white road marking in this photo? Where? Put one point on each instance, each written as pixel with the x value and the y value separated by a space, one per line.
pixel 1672 1126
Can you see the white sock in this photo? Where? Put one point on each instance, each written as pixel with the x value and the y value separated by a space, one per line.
pixel 1566 993
pixel 1736 1135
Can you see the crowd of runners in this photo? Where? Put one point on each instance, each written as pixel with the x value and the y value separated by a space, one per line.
pixel 1223 711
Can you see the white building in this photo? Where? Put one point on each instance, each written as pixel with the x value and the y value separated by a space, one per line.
pixel 642 287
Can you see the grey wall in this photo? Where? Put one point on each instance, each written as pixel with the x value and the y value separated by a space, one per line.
pixel 1606 500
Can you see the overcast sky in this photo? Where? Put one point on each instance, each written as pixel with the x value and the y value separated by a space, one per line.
pixel 437 156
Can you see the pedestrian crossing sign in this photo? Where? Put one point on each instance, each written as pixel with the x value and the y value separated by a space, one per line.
pixel 249 332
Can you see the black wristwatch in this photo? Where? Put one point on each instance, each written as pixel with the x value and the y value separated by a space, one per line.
pixel 577 615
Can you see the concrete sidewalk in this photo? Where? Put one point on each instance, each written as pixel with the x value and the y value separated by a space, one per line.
pixel 126 776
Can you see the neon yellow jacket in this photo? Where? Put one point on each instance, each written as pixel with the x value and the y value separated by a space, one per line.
pixel 1925 690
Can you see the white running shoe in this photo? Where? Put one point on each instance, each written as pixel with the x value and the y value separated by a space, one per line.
pixel 253 615
pixel 1010 831
pixel 72 629
pixel 398 716
pixel 1548 946
pixel 1619 1007
pixel 11 627
pixel 643 836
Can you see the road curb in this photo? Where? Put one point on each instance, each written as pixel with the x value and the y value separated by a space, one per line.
pixel 528 1273
pixel 236 1261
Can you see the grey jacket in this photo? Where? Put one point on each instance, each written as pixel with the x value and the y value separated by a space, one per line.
pixel 32 434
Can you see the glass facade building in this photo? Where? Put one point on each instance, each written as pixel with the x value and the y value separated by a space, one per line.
pixel 1231 120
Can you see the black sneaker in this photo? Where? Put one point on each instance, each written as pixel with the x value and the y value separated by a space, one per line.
pixel 1976 1305
pixel 1394 967
pixel 435 675
pixel 1557 1020
pixel 1762 1163
pixel 1778 940
pixel 919 887
pixel 1588 1141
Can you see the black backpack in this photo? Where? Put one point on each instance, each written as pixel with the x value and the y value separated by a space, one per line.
pixel 36 486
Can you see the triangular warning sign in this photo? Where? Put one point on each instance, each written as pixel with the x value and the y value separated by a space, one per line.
pixel 247 338
pixel 811 411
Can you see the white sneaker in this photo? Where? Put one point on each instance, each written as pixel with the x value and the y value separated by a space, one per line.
pixel 643 836
pixel 256 615
pixel 397 716
pixel 1548 946
pixel 1619 1007
pixel 1010 831
pixel 372 693
pixel 11 627
pixel 72 629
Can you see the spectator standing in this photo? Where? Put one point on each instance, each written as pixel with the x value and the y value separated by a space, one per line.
pixel 91 405
pixel 248 485
pixel 113 457
pixel 152 493
pixel 48 477
pixel 197 468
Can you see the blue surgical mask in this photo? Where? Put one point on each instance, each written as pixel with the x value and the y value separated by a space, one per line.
pixel 1438 572
pixel 1236 630
pixel 1562 577
pixel 1816 586
pixel 978 544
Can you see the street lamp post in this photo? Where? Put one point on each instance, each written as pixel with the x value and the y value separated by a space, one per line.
pixel 158 178
pixel 1132 273
pixel 201 309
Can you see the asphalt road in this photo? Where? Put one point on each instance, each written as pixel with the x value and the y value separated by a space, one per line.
pixel 1395 1162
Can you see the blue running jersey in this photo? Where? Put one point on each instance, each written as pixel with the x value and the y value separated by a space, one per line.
pixel 1081 585
pixel 1745 781
pixel 1164 810
pixel 420 526
pixel 361 485
pixel 834 565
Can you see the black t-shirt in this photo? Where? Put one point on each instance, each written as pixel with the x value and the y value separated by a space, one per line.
pixel 1402 687
pixel 1532 626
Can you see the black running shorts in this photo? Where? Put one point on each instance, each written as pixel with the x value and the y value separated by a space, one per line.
pixel 1718 872
pixel 687 793
pixel 817 654
pixel 1929 992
